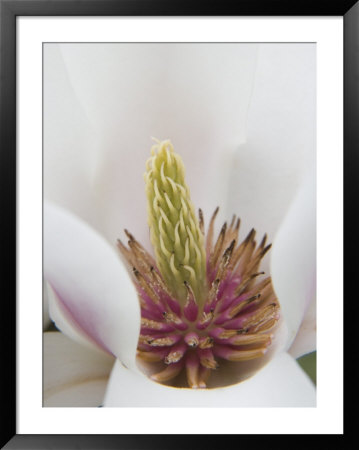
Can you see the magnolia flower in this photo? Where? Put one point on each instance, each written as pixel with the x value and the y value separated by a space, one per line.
pixel 92 298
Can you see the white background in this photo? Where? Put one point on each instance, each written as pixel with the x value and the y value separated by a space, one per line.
pixel 32 32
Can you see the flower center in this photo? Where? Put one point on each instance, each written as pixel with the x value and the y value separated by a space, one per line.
pixel 203 301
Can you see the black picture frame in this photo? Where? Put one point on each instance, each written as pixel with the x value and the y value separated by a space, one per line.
pixel 9 11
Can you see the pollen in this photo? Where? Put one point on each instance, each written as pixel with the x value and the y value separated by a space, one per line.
pixel 203 299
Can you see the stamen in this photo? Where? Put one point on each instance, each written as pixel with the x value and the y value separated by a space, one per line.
pixel 244 283
pixel 191 339
pixel 203 376
pixel 222 333
pixel 210 232
pixel 176 353
pixel 206 358
pixel 218 246
pixel 241 249
pixel 230 354
pixel 146 287
pixel 142 258
pixel 263 314
pixel 192 370
pixel 249 339
pixel 170 372
pixel 254 264
pixel 147 324
pixel 222 269
pixel 163 341
pixel 206 342
pixel 125 253
pixel 190 309
pixel 234 311
pixel 205 320
pixel 152 356
pixel 265 326
pixel 212 296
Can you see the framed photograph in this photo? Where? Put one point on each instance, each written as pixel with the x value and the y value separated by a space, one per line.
pixel 173 194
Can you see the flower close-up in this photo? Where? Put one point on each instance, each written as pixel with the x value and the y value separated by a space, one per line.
pixel 200 301
pixel 180 272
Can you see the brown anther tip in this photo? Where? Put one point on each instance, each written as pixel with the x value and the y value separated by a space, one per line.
pixel 250 235
pixel 129 235
pixel 224 228
pixel 229 249
pixel 242 331
pixel 264 251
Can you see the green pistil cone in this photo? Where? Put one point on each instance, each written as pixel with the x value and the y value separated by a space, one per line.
pixel 175 234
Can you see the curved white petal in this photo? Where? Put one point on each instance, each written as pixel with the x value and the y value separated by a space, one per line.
pixel 280 383
pixel 306 338
pixel 293 258
pixel 70 143
pixel 73 375
pixel 195 94
pixel 281 137
pixel 91 283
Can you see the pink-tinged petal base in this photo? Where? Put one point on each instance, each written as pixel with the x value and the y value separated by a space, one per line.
pixel 91 283
pixel 280 383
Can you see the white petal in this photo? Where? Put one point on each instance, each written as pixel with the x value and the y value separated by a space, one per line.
pixel 306 338
pixel 281 383
pixel 73 375
pixel 92 284
pixel 281 138
pixel 293 258
pixel 196 95
pixel 69 142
